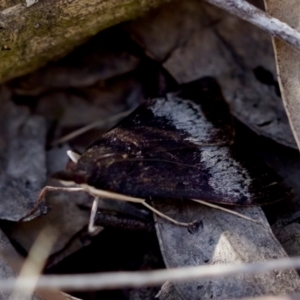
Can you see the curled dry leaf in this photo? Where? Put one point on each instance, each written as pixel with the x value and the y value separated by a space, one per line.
pixel 288 61
pixel 65 217
pixel 238 54
pixel 22 161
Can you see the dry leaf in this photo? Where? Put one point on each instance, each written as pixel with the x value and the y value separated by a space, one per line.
pixel 287 58
pixel 222 238
pixel 207 41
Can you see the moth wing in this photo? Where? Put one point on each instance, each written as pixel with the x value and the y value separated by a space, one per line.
pixel 178 146
pixel 214 174
pixel 195 116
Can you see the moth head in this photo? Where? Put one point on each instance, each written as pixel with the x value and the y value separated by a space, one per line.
pixel 70 175
pixel 89 166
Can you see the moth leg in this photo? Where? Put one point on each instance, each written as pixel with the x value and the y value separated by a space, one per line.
pixel 44 192
pixel 166 217
pixel 110 195
pixel 226 210
pixel 92 228
pixel 58 188
pixel 109 219
pixel 115 196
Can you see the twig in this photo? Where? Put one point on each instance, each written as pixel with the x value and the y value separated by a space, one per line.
pixel 229 211
pixel 88 127
pixel 114 280
pixel 34 263
pixel 250 13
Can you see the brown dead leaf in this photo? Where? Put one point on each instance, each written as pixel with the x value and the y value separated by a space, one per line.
pixel 288 61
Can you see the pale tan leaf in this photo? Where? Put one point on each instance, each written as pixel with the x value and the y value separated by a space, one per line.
pixel 287 58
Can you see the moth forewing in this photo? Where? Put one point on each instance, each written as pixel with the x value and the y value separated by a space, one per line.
pixel 177 146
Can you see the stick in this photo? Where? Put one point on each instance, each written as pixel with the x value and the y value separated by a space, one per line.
pixel 229 211
pixel 114 280
pixel 250 13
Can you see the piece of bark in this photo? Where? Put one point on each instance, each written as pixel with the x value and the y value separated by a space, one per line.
pixel 222 238
pixel 48 30
pixel 207 41
pixel 22 160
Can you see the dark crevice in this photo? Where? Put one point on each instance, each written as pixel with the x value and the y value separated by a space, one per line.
pixel 266 77
pixel 266 123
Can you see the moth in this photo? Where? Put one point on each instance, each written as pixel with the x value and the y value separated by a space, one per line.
pixel 180 146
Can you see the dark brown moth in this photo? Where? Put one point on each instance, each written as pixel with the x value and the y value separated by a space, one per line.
pixel 177 146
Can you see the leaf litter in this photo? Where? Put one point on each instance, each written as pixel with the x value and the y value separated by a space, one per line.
pixel 61 91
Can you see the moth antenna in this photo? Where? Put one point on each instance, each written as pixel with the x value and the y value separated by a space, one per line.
pixel 92 228
pixel 73 156
pixel 226 210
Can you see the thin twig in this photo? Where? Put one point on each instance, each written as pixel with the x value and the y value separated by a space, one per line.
pixel 88 127
pixel 250 13
pixel 34 263
pixel 229 211
pixel 117 280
